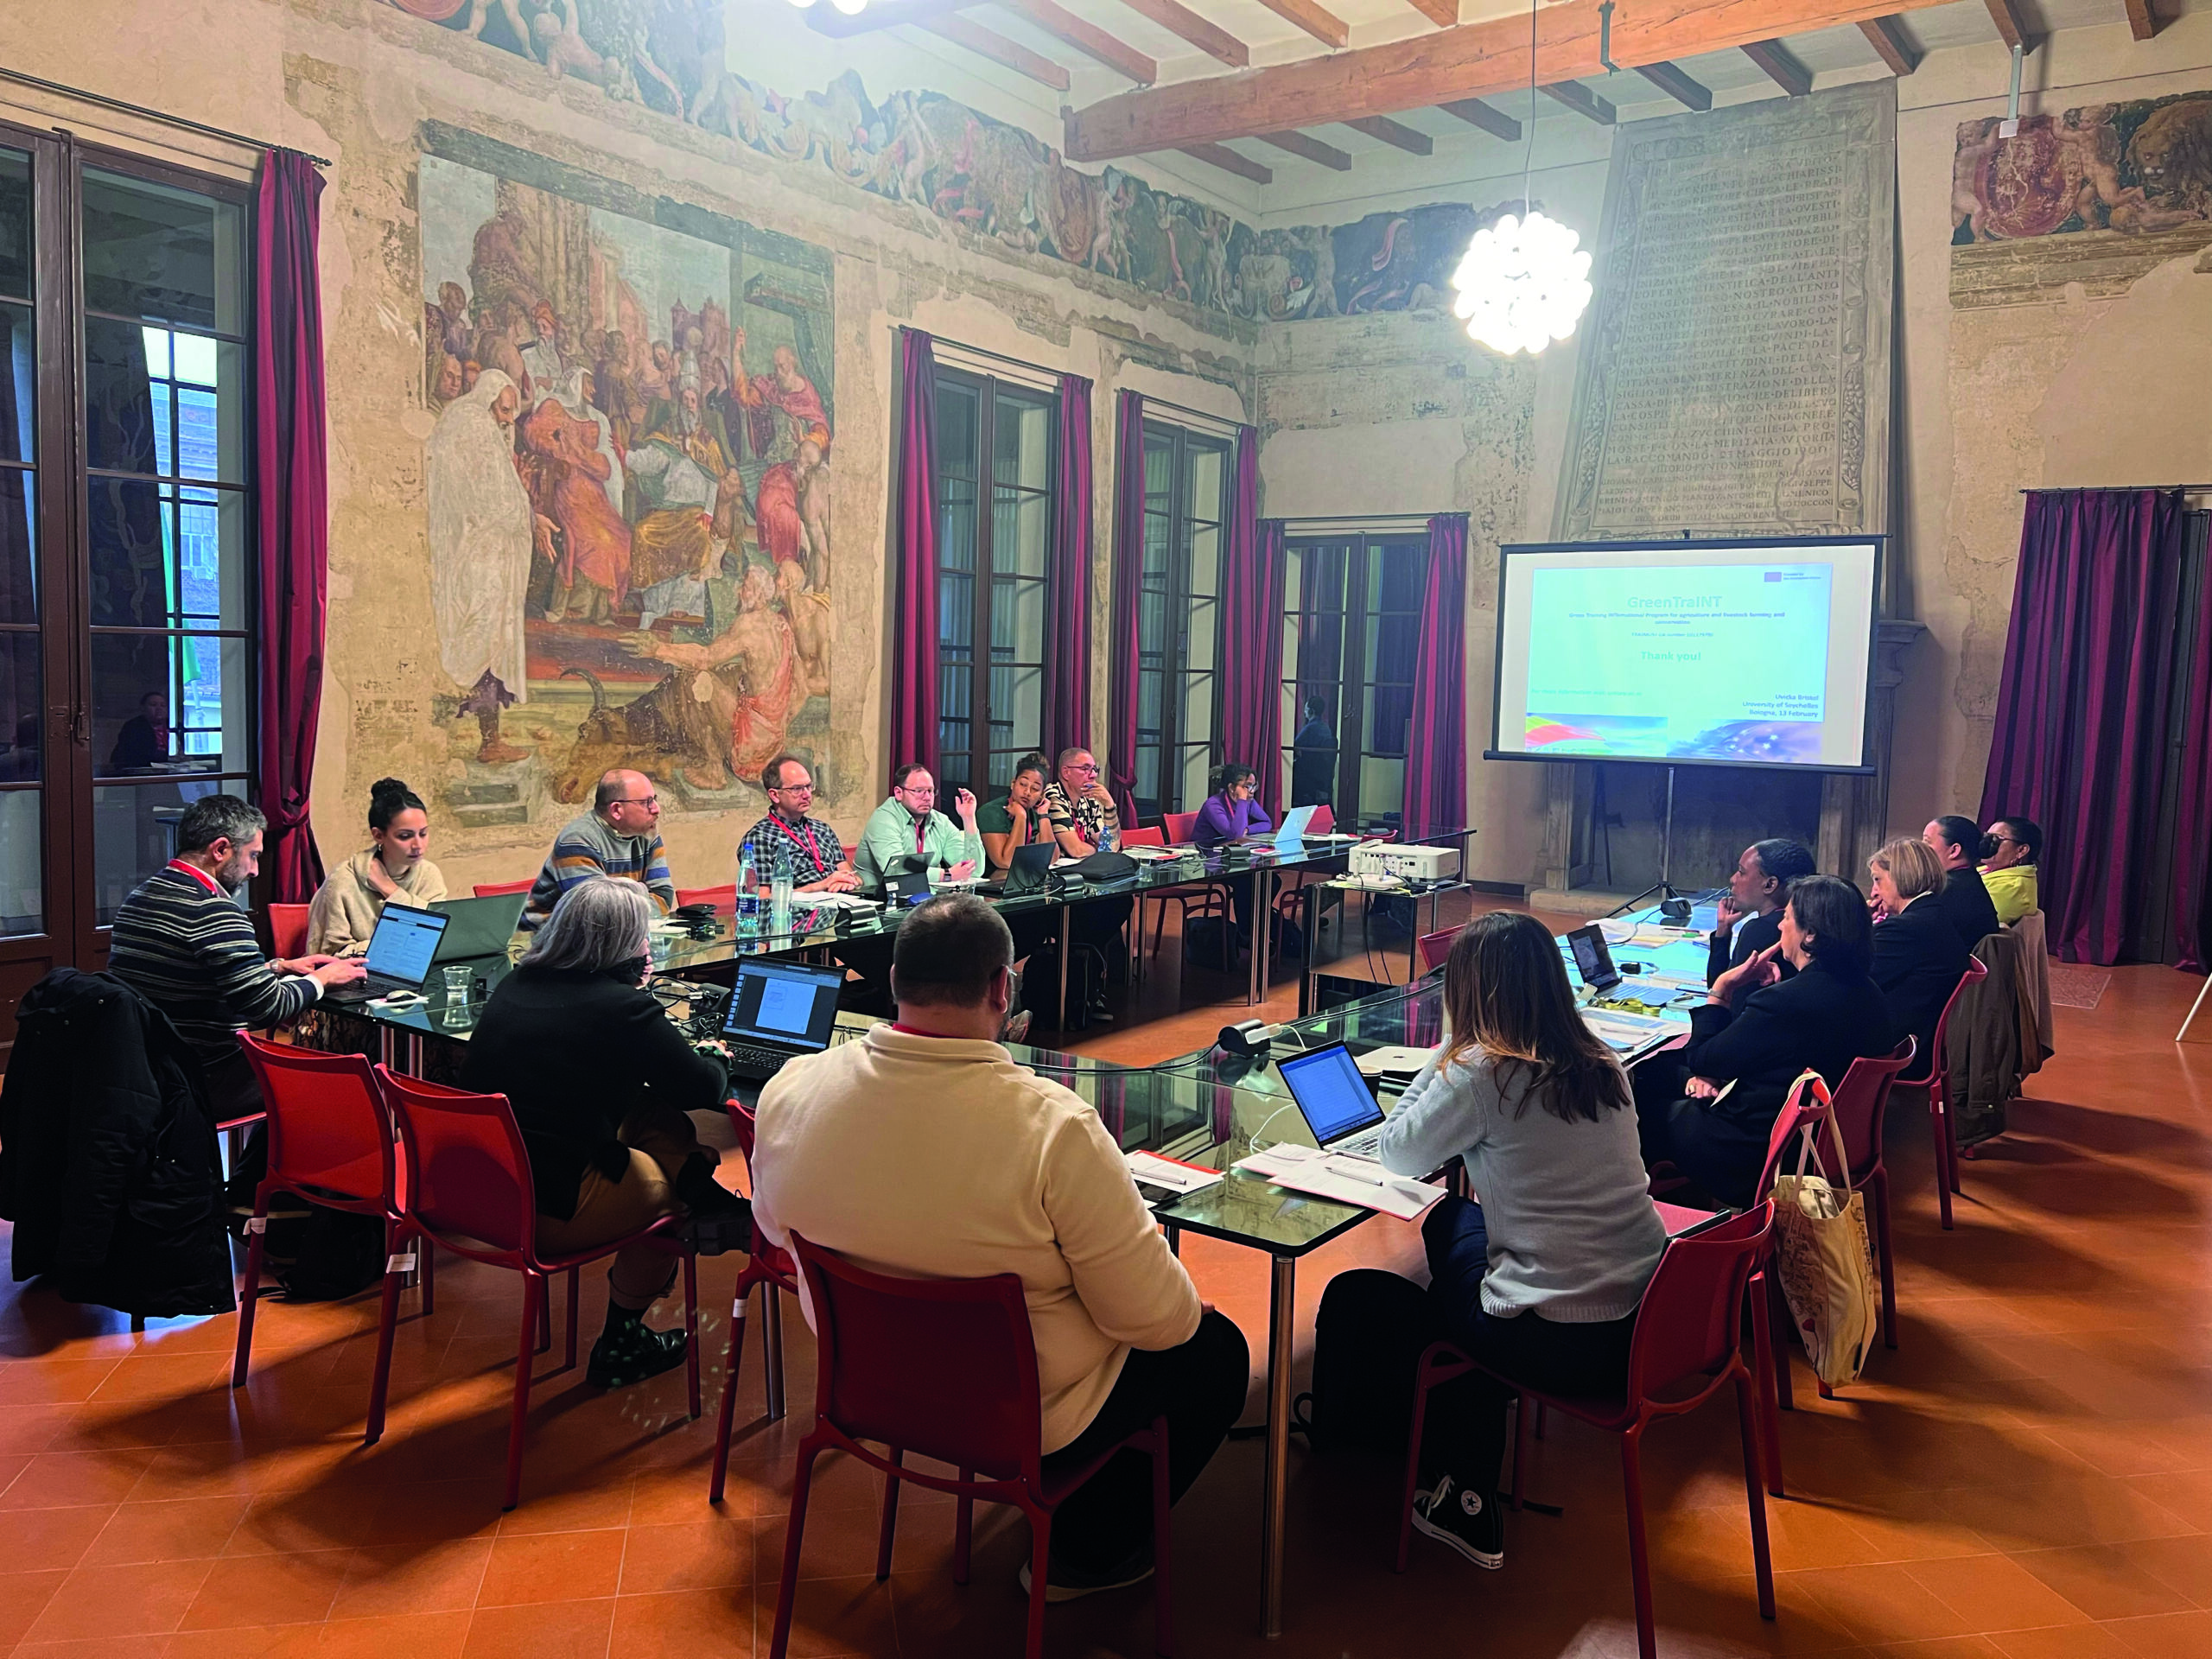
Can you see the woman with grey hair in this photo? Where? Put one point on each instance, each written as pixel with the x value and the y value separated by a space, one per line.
pixel 601 1082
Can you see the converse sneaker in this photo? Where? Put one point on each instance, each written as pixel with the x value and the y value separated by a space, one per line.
pixel 1469 1523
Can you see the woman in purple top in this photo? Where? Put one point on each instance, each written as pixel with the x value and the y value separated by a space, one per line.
pixel 1230 814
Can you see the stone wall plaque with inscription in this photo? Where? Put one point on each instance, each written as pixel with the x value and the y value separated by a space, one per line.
pixel 1735 376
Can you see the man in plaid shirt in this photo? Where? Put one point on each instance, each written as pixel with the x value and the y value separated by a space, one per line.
pixel 818 860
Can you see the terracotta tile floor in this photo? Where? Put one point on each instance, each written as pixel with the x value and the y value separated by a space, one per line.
pixel 2029 1477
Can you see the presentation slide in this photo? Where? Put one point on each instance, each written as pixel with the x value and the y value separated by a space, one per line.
pixel 1742 654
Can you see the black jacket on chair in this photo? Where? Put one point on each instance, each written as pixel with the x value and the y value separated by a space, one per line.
pixel 108 1166
pixel 1821 1017
pixel 576 1053
pixel 1917 959
pixel 1966 902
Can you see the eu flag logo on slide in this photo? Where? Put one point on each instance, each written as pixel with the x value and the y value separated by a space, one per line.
pixel 1774 575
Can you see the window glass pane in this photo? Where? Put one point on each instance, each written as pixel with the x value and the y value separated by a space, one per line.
pixel 1159 537
pixel 1021 443
pixel 952 774
pixel 164 556
pixel 1017 707
pixel 1151 695
pixel 1197 711
pixel 1152 623
pixel 18 384
pixel 23 897
pixel 956 526
pixel 1148 783
pixel 132 824
pixel 164 254
pixel 19 707
pixel 955 614
pixel 1202 629
pixel 18 546
pixel 1205 560
pixel 138 419
pixel 1197 765
pixel 168 701
pixel 956 430
pixel 1388 711
pixel 1018 620
pixel 1382 788
pixel 1159 471
pixel 1022 531
pixel 1209 465
pixel 15 223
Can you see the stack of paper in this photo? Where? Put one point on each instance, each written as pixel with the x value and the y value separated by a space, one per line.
pixel 1178 1178
pixel 1347 1180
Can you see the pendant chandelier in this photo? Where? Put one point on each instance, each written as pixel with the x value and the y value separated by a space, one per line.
pixel 1524 283
pixel 850 7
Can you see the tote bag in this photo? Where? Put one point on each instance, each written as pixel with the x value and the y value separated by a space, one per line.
pixel 1823 1257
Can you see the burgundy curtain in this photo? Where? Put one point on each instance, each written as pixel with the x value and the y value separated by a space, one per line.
pixel 2193 815
pixel 1251 631
pixel 1128 579
pixel 913 558
pixel 1436 737
pixel 1067 658
pixel 2079 744
pixel 293 515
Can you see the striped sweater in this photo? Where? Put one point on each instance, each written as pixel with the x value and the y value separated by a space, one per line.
pixel 588 847
pixel 192 953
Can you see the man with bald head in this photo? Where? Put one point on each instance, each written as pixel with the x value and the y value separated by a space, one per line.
pixel 620 837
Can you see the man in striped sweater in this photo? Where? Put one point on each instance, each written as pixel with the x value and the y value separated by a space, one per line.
pixel 620 837
pixel 181 943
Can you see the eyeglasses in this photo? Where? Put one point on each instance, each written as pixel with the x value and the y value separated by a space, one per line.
pixel 1093 766
pixel 792 789
pixel 635 800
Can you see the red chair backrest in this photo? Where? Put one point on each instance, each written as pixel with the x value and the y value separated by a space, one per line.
pixel 743 1123
pixel 1154 836
pixel 1691 1319
pixel 1862 1101
pixel 287 930
pixel 327 1127
pixel 943 1367
pixel 1324 820
pixel 499 889
pixel 1433 948
pixel 1976 972
pixel 722 898
pixel 1807 1107
pixel 1179 827
pixel 467 1173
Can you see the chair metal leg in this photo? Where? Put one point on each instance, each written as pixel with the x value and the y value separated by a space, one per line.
pixel 250 1294
pixel 1520 1448
pixel 535 1295
pixel 771 1351
pixel 387 1327
pixel 543 1289
pixel 691 1331
pixel 1761 1560
pixel 1040 1555
pixel 1163 1544
pixel 1768 1362
pixel 1940 1132
pixel 963 1532
pixel 787 1590
pixel 576 1296
pixel 1886 1257
pixel 888 1532
pixel 1639 1554
pixel 729 1396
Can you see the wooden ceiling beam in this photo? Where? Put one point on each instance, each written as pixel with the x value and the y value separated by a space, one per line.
pixel 1889 44
pixel 2011 27
pixel 1781 66
pixel 1677 85
pixel 1313 150
pixel 1476 113
pixel 1384 130
pixel 1179 20
pixel 1582 100
pixel 883 14
pixel 2142 21
pixel 1471 60
pixel 1445 14
pixel 989 43
pixel 1228 161
pixel 1324 26
pixel 1089 39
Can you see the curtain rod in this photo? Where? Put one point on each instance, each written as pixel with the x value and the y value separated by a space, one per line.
pixel 1360 519
pixel 1151 402
pixel 2115 489
pixel 104 101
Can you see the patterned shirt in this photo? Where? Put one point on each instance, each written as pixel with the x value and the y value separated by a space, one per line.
pixel 1089 817
pixel 588 846
pixel 813 845
pixel 182 943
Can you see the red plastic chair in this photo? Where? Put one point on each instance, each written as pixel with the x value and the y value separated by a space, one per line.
pixel 1180 828
pixel 945 1368
pixel 1433 948
pixel 466 1180
pixel 500 889
pixel 1940 1124
pixel 1687 1334
pixel 330 1140
pixel 1861 1105
pixel 287 930
pixel 1324 822
pixel 767 1267
pixel 723 898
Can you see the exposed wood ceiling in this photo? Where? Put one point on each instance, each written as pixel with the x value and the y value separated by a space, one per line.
pixel 1195 76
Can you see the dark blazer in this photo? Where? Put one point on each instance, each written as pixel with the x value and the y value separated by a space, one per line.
pixel 1917 959
pixel 1752 934
pixel 1822 1017
pixel 1966 902
pixel 575 1054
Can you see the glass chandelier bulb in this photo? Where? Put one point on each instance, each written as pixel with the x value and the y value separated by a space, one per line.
pixel 850 7
pixel 801 4
pixel 1522 284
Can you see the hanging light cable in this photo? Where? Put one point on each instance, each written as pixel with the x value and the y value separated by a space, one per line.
pixel 1523 282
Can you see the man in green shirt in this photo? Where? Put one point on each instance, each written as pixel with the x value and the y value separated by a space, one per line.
pixel 908 825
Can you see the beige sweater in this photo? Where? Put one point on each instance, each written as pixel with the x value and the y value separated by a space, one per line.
pixel 347 907
pixel 938 1158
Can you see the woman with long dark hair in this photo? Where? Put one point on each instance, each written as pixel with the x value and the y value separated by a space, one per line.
pixel 1232 812
pixel 1540 1279
pixel 394 870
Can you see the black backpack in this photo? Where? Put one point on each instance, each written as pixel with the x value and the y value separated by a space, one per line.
pixel 1368 1337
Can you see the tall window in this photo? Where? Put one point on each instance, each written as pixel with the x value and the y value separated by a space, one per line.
pixel 1178 617
pixel 1352 628
pixel 994 562
pixel 126 511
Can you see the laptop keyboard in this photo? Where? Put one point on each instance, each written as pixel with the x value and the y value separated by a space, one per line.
pixel 746 1057
pixel 1366 1144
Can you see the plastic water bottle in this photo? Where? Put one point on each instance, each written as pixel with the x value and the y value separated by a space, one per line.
pixel 1110 839
pixel 748 889
pixel 779 891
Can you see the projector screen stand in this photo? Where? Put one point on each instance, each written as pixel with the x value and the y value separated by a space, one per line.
pixel 1663 887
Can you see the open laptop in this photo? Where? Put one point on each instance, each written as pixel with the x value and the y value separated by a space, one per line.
pixel 779 1011
pixel 1028 871
pixel 401 951
pixel 1594 958
pixel 1335 1100
pixel 481 927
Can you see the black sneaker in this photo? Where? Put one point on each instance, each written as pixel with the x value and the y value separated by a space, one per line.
pixel 1064 1584
pixel 717 1220
pixel 631 1352
pixel 1471 1523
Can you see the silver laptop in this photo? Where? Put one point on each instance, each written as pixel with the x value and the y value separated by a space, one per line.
pixel 1335 1100
pixel 778 1011
pixel 401 951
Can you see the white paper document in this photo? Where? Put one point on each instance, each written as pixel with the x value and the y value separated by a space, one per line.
pixel 1347 1180
pixel 1153 1170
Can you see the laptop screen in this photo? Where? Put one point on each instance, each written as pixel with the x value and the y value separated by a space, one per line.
pixel 405 940
pixel 1332 1098
pixel 784 1002
pixel 1292 836
pixel 1592 958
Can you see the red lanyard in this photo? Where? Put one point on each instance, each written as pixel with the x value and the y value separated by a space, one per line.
pixel 921 836
pixel 196 873
pixel 806 828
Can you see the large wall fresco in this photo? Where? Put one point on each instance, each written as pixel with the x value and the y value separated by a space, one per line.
pixel 982 175
pixel 628 484
pixel 2138 167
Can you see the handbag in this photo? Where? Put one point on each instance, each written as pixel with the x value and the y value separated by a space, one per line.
pixel 1823 1257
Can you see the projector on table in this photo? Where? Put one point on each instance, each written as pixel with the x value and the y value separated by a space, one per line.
pixel 1405 863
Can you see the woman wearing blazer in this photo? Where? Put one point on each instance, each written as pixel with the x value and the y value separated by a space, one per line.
pixel 1918 955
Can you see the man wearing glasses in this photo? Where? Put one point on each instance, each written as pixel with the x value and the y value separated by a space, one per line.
pixel 818 860
pixel 908 826
pixel 1081 808
pixel 620 837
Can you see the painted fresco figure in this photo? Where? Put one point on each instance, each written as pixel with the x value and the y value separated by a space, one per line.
pixel 482 533
pixel 677 477
pixel 591 574
pixel 744 683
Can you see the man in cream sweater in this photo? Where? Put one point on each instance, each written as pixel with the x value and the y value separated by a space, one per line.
pixel 923 1150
